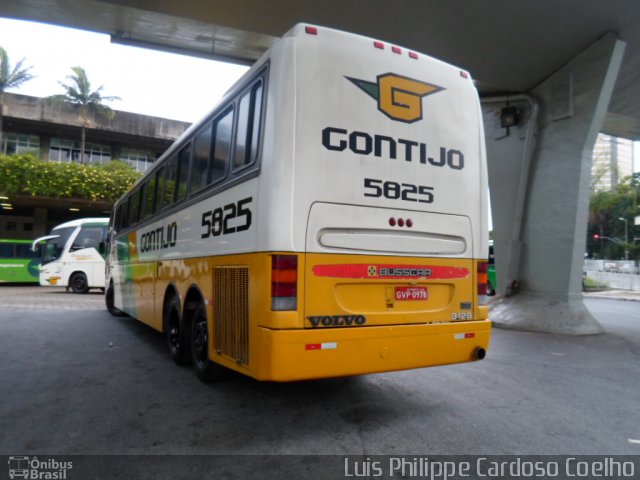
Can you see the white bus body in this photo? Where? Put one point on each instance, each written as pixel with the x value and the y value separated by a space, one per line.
pixel 352 218
pixel 72 254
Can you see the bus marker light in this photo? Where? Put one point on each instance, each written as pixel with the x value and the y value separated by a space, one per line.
pixel 413 55
pixel 400 222
pixel 409 223
pixel 311 30
pixel 462 336
pixel 396 50
pixel 464 74
pixel 379 45
pixel 392 222
pixel 321 346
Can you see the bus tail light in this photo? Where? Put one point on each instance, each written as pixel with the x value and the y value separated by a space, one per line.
pixel 284 282
pixel 483 286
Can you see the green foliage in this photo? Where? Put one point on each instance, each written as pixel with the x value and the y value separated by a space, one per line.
pixel 12 77
pixel 605 211
pixel 78 92
pixel 28 175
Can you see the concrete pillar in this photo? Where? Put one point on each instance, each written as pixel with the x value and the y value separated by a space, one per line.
pixel 540 247
pixel 45 146
pixel 40 227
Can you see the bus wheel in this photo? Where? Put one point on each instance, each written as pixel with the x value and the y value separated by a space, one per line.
pixel 206 370
pixel 108 300
pixel 176 337
pixel 79 283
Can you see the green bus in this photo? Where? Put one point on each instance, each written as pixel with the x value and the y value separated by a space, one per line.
pixel 491 271
pixel 18 263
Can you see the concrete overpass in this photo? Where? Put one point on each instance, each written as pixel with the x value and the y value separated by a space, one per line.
pixel 571 68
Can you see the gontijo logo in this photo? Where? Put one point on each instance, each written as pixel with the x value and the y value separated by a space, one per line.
pixel 399 98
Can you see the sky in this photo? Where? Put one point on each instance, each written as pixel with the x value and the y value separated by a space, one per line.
pixel 149 82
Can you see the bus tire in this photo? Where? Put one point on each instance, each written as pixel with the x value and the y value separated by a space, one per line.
pixel 108 300
pixel 177 336
pixel 78 283
pixel 206 370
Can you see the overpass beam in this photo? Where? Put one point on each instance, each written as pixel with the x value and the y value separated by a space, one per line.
pixel 539 175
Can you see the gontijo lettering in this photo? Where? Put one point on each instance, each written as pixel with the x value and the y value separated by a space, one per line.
pixel 159 238
pixel 382 146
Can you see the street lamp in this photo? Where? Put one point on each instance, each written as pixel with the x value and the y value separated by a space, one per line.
pixel 626 238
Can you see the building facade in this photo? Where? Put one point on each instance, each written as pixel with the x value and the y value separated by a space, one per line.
pixel 52 131
pixel 613 159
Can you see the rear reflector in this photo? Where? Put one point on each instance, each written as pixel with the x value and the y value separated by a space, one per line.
pixel 284 282
pixel 483 287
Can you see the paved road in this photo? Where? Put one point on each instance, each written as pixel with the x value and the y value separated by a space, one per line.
pixel 77 381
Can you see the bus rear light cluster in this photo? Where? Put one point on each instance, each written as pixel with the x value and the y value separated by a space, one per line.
pixel 483 281
pixel 401 222
pixel 284 282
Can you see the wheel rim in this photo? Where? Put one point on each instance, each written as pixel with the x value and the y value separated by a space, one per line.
pixel 174 335
pixel 200 341
pixel 79 282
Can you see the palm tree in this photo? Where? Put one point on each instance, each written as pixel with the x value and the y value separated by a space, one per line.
pixel 10 78
pixel 78 92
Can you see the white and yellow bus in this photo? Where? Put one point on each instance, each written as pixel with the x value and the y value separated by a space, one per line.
pixel 327 218
pixel 73 255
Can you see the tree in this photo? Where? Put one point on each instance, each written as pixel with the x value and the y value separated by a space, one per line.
pixel 606 231
pixel 10 78
pixel 78 92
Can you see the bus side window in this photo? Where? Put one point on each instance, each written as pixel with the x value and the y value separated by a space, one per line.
pixel 221 148
pixel 256 122
pixel 159 190
pixel 149 201
pixel 24 251
pixel 248 127
pixel 183 173
pixel 201 154
pixel 88 237
pixel 170 182
pixel 6 250
pixel 125 212
pixel 134 207
pixel 143 200
pixel 118 219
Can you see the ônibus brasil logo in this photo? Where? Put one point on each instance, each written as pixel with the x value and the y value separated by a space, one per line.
pixel 399 98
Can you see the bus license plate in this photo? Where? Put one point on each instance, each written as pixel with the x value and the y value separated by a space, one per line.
pixel 411 293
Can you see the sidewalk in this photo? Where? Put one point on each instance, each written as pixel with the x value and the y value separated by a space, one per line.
pixel 629 295
pixel 615 295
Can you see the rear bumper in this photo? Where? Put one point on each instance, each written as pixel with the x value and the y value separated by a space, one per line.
pixel 287 355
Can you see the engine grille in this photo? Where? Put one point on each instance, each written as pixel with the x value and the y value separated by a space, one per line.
pixel 231 312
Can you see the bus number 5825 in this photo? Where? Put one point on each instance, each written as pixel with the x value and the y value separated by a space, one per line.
pixel 396 191
pixel 216 222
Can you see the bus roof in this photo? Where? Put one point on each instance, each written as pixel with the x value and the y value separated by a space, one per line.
pixel 82 221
